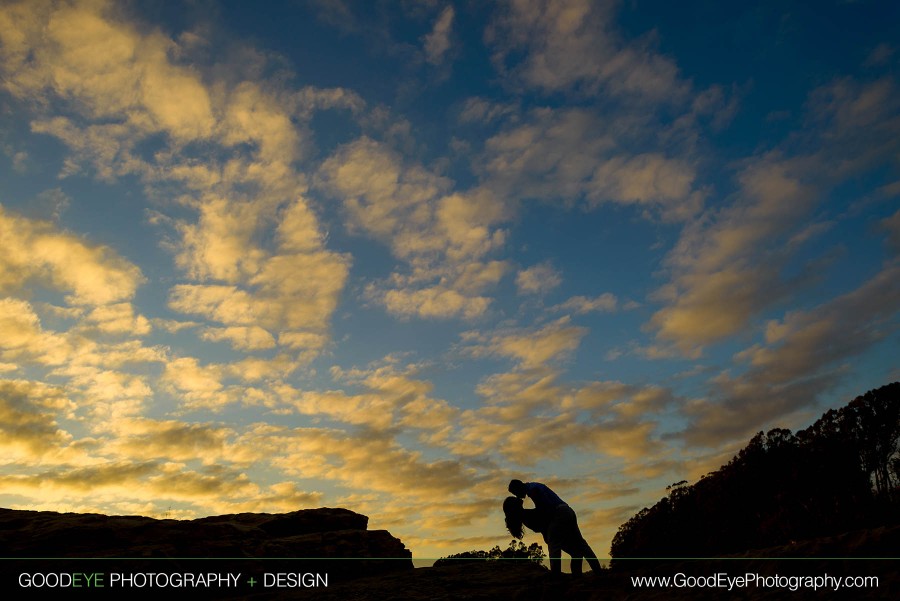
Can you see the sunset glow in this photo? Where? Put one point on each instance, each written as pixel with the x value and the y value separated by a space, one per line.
pixel 259 257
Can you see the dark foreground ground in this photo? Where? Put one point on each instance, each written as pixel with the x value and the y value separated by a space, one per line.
pixel 336 543
pixel 521 582
pixel 868 553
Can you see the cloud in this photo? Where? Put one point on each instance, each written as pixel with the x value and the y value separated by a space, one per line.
pixel 251 338
pixel 249 381
pixel 173 326
pixel 256 117
pixel 134 481
pixel 892 226
pixel 140 439
pixel 807 340
pixel 530 348
pixel 626 400
pixel 434 302
pixel 644 178
pixel 198 385
pixel 727 268
pixel 118 318
pixel 388 398
pixel 606 303
pixel 274 299
pixel 723 273
pixel 513 396
pixel 545 437
pixel 280 497
pixel 448 518
pixel 538 279
pixel 32 250
pixel 484 111
pixel 20 162
pixel 310 99
pixel 25 340
pixel 290 290
pixel 300 291
pixel 437 43
pixel 531 415
pixel 53 203
pixel 117 354
pixel 573 46
pixel 82 51
pixel 880 55
pixel 374 463
pixel 107 148
pixel 442 237
pixel 850 111
pixel 253 369
pixel 575 156
pixel 337 13
pixel 124 84
pixel 381 196
pixel 607 492
pixel 804 356
pixel 115 390
pixel 552 155
pixel 710 307
pixel 224 304
pixel 219 245
pixel 28 420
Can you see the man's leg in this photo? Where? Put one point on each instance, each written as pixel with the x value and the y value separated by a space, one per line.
pixel 590 556
pixel 579 545
pixel 576 566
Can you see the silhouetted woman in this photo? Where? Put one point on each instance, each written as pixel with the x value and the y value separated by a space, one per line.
pixel 571 542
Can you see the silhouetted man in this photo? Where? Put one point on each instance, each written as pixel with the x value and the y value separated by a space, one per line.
pixel 562 528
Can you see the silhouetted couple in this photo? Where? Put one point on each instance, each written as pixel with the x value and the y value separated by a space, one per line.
pixel 553 518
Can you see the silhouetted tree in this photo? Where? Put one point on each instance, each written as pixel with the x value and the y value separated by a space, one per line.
pixel 516 550
pixel 840 473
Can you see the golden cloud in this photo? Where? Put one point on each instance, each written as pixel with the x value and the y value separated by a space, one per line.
pixel 532 348
pixel 363 462
pixel 28 420
pixel 117 318
pixel 538 279
pixel 797 362
pixel 32 250
pixel 251 338
pixel 443 237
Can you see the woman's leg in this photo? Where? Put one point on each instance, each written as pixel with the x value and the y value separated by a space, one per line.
pixel 555 554
pixel 555 537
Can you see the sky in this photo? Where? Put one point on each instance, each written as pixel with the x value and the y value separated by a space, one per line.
pixel 260 257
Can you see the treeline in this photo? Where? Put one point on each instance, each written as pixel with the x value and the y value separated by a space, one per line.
pixel 841 473
pixel 516 550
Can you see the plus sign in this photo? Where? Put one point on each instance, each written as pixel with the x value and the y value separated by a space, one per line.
pixel 252 581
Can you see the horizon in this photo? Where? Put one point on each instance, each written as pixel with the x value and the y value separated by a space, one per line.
pixel 389 256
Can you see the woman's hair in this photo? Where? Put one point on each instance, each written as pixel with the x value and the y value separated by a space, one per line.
pixel 512 509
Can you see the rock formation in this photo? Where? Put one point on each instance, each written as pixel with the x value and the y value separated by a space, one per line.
pixel 327 541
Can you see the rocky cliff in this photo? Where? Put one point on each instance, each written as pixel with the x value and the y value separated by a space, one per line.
pixel 331 542
pixel 324 533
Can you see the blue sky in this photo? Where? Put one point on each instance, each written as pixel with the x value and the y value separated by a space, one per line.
pixel 389 255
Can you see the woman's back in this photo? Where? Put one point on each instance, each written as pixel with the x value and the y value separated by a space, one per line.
pixel 535 520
